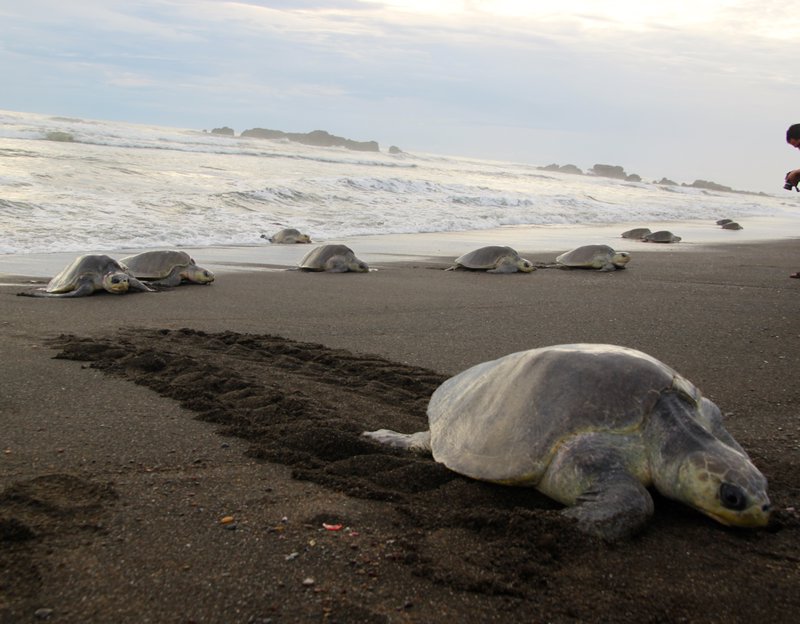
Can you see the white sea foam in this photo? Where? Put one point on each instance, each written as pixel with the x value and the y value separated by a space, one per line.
pixel 117 186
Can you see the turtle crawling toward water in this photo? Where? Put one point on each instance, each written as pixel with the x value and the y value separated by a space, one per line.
pixel 662 236
pixel 88 274
pixel 167 268
pixel 636 233
pixel 591 426
pixel 493 259
pixel 599 257
pixel 333 259
pixel 731 225
pixel 288 236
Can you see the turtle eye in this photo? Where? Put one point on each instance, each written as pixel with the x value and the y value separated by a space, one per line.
pixel 732 497
pixel 115 280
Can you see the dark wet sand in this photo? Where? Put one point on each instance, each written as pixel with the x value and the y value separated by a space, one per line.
pixel 166 412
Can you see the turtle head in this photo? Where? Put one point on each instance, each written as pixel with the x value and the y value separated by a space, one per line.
pixel 526 266
pixel 116 282
pixel 696 461
pixel 303 238
pixel 198 275
pixel 726 486
pixel 358 266
pixel 621 258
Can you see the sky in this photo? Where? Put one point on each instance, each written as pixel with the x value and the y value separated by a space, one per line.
pixel 687 90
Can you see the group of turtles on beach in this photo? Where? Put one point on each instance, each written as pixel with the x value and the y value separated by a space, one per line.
pixel 336 258
pixel 729 224
pixel 90 273
pixel 646 236
pixel 592 426
pixel 501 259
pixel 665 236
pixel 628 421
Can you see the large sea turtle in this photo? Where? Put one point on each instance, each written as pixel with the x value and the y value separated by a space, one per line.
pixel 600 257
pixel 167 268
pixel 591 426
pixel 493 259
pixel 662 236
pixel 334 259
pixel 636 233
pixel 731 225
pixel 288 236
pixel 87 274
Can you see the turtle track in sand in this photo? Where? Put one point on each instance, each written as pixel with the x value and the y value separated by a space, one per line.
pixel 305 405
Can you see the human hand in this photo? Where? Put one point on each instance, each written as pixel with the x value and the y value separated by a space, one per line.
pixel 793 177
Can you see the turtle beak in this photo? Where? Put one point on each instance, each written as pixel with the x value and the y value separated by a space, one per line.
pixel 757 516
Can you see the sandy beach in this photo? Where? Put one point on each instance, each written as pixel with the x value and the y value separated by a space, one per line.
pixel 192 455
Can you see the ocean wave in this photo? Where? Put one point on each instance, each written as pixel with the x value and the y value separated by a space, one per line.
pixel 134 186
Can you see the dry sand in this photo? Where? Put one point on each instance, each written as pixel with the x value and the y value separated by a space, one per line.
pixel 167 412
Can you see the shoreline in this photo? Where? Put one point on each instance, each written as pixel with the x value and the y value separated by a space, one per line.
pixel 537 242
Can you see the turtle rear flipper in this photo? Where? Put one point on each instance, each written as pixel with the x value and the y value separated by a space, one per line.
pixel 85 288
pixel 34 292
pixel 419 442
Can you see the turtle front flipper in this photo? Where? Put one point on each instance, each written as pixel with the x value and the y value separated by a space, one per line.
pixel 602 484
pixel 613 509
pixel 504 267
pixel 173 279
pixel 135 284
pixel 336 264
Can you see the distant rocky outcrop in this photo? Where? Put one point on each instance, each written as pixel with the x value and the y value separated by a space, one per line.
pixel 224 130
pixel 562 169
pixel 606 171
pixel 618 173
pixel 710 186
pixel 393 149
pixel 609 171
pixel 317 138
pixel 614 171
